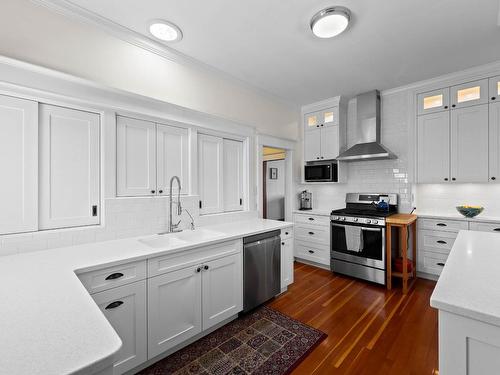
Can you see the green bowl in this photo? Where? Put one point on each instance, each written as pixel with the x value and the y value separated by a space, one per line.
pixel 470 211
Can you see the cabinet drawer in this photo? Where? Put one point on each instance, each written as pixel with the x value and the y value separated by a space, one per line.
pixel 436 241
pixel 485 227
pixel 432 263
pixel 313 252
pixel 111 277
pixel 172 262
pixel 443 225
pixel 286 233
pixel 312 219
pixel 314 233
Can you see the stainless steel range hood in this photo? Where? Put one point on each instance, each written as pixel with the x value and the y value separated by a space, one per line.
pixel 368 146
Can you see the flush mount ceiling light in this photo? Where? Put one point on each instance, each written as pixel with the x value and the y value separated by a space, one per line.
pixel 330 22
pixel 165 31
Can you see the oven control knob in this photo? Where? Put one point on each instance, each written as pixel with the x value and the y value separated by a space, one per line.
pixel 368 221
pixel 335 218
pixel 355 219
pixel 342 218
pixel 375 222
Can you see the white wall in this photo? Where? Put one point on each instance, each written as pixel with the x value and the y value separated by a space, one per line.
pixel 275 190
pixel 35 34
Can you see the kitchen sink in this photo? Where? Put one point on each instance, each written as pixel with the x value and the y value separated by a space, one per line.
pixel 163 240
pixel 180 238
pixel 197 235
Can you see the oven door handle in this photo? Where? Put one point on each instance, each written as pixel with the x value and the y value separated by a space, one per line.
pixel 362 228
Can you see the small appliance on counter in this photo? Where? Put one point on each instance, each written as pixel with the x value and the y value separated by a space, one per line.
pixel 305 200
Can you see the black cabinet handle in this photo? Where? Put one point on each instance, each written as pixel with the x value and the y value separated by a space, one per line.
pixel 286 233
pixel 283 243
pixel 442 242
pixel 321 124
pixel 311 233
pixel 114 305
pixel 311 251
pixel 205 267
pixel 114 276
pixel 317 126
pixel 445 107
pixel 160 191
pixel 446 178
pixel 441 225
pixel 441 264
pixel 493 98
pixel 453 105
pixel 311 218
pixel 94 210
pixel 317 157
pixel 453 179
pixel 153 191
pixel 198 270
pixel 497 229
pixel 493 178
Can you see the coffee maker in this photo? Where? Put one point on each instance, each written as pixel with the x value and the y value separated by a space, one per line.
pixel 305 200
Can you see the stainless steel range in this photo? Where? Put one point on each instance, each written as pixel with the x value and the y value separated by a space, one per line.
pixel 358 235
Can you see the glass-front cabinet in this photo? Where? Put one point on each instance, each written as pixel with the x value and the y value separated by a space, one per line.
pixel 467 94
pixel 327 117
pixel 433 101
pixel 495 89
pixel 311 121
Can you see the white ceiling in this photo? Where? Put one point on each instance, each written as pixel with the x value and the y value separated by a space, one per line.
pixel 268 43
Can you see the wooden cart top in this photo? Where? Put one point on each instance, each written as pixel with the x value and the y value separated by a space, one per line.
pixel 401 219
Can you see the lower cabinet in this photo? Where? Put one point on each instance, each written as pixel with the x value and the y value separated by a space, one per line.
pixel 125 309
pixel 286 262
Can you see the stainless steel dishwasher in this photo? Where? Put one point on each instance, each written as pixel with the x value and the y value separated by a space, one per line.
pixel 261 268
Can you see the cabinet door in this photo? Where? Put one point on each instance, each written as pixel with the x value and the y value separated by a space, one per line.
pixel 18 165
pixel 494 139
pixel 210 177
pixel 233 175
pixel 433 147
pixel 125 309
pixel 433 101
pixel 494 90
pixel 312 145
pixel 469 144
pixel 222 289
pixel 312 121
pixel 286 262
pixel 69 167
pixel 135 157
pixel 172 158
pixel 468 94
pixel 330 117
pixel 329 142
pixel 174 309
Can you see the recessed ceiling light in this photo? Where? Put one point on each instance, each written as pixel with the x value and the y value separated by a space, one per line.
pixel 330 22
pixel 165 31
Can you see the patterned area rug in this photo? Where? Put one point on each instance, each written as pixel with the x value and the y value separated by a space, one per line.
pixel 262 342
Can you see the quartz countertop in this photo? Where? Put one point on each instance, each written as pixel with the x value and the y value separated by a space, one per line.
pixel 469 282
pixel 457 216
pixel 313 212
pixel 49 322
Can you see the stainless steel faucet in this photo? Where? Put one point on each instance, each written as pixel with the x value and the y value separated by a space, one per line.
pixel 175 227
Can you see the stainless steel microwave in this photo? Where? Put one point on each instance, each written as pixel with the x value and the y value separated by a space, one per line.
pixel 321 172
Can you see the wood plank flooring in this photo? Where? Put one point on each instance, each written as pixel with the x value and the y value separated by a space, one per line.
pixel 371 331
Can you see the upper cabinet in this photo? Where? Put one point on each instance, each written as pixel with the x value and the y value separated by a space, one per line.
pixel 494 141
pixel 469 94
pixel 148 155
pixel 494 90
pixel 433 101
pixel 69 167
pixel 19 165
pixel 233 175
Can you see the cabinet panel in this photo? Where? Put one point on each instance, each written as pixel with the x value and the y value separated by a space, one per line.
pixel 469 94
pixel 329 142
pixel 485 227
pixel 210 176
pixel 494 141
pixel 286 262
pixel 135 157
pixel 442 225
pixel 312 145
pixel 433 101
pixel 222 289
pixel 469 144
pixel 18 163
pixel 174 309
pixel 233 175
pixel 172 157
pixel 313 233
pixel 433 147
pixel 494 90
pixel 312 121
pixel 69 167
pixel 330 117
pixel 125 309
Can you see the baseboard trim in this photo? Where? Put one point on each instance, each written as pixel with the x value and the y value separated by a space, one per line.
pixel 314 264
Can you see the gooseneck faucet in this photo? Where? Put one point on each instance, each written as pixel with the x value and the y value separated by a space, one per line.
pixel 174 227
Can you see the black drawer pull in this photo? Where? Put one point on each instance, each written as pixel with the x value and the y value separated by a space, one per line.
pixel 440 264
pixel 311 218
pixel 497 229
pixel 114 305
pixel 441 241
pixel 311 233
pixel 283 243
pixel 205 267
pixel 198 270
pixel 311 251
pixel 441 225
pixel 286 233
pixel 114 276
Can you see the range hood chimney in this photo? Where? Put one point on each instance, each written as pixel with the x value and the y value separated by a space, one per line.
pixel 368 146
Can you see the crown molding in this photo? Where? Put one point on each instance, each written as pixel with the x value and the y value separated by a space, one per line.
pixel 68 9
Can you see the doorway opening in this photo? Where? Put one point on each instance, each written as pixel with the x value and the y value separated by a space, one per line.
pixel 273 183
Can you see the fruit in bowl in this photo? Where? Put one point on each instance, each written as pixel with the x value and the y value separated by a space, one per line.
pixel 470 211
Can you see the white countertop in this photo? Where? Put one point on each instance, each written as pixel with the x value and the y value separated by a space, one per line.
pixel 457 216
pixel 49 324
pixel 469 284
pixel 313 212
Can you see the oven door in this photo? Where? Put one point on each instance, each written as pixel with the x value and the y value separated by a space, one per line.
pixel 358 243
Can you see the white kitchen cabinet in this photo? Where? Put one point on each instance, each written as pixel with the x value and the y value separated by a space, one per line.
pixel 433 147
pixel 174 309
pixel 469 94
pixel 210 173
pixel 494 141
pixel 433 101
pixel 494 89
pixel 313 247
pixel 330 142
pixel 222 289
pixel 311 121
pixel 469 144
pixel 172 157
pixel 125 309
pixel 135 157
pixel 286 262
pixel 69 167
pixel 330 117
pixel 232 175
pixel 18 163
pixel 312 145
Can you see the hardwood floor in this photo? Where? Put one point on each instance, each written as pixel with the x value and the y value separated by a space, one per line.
pixel 370 330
